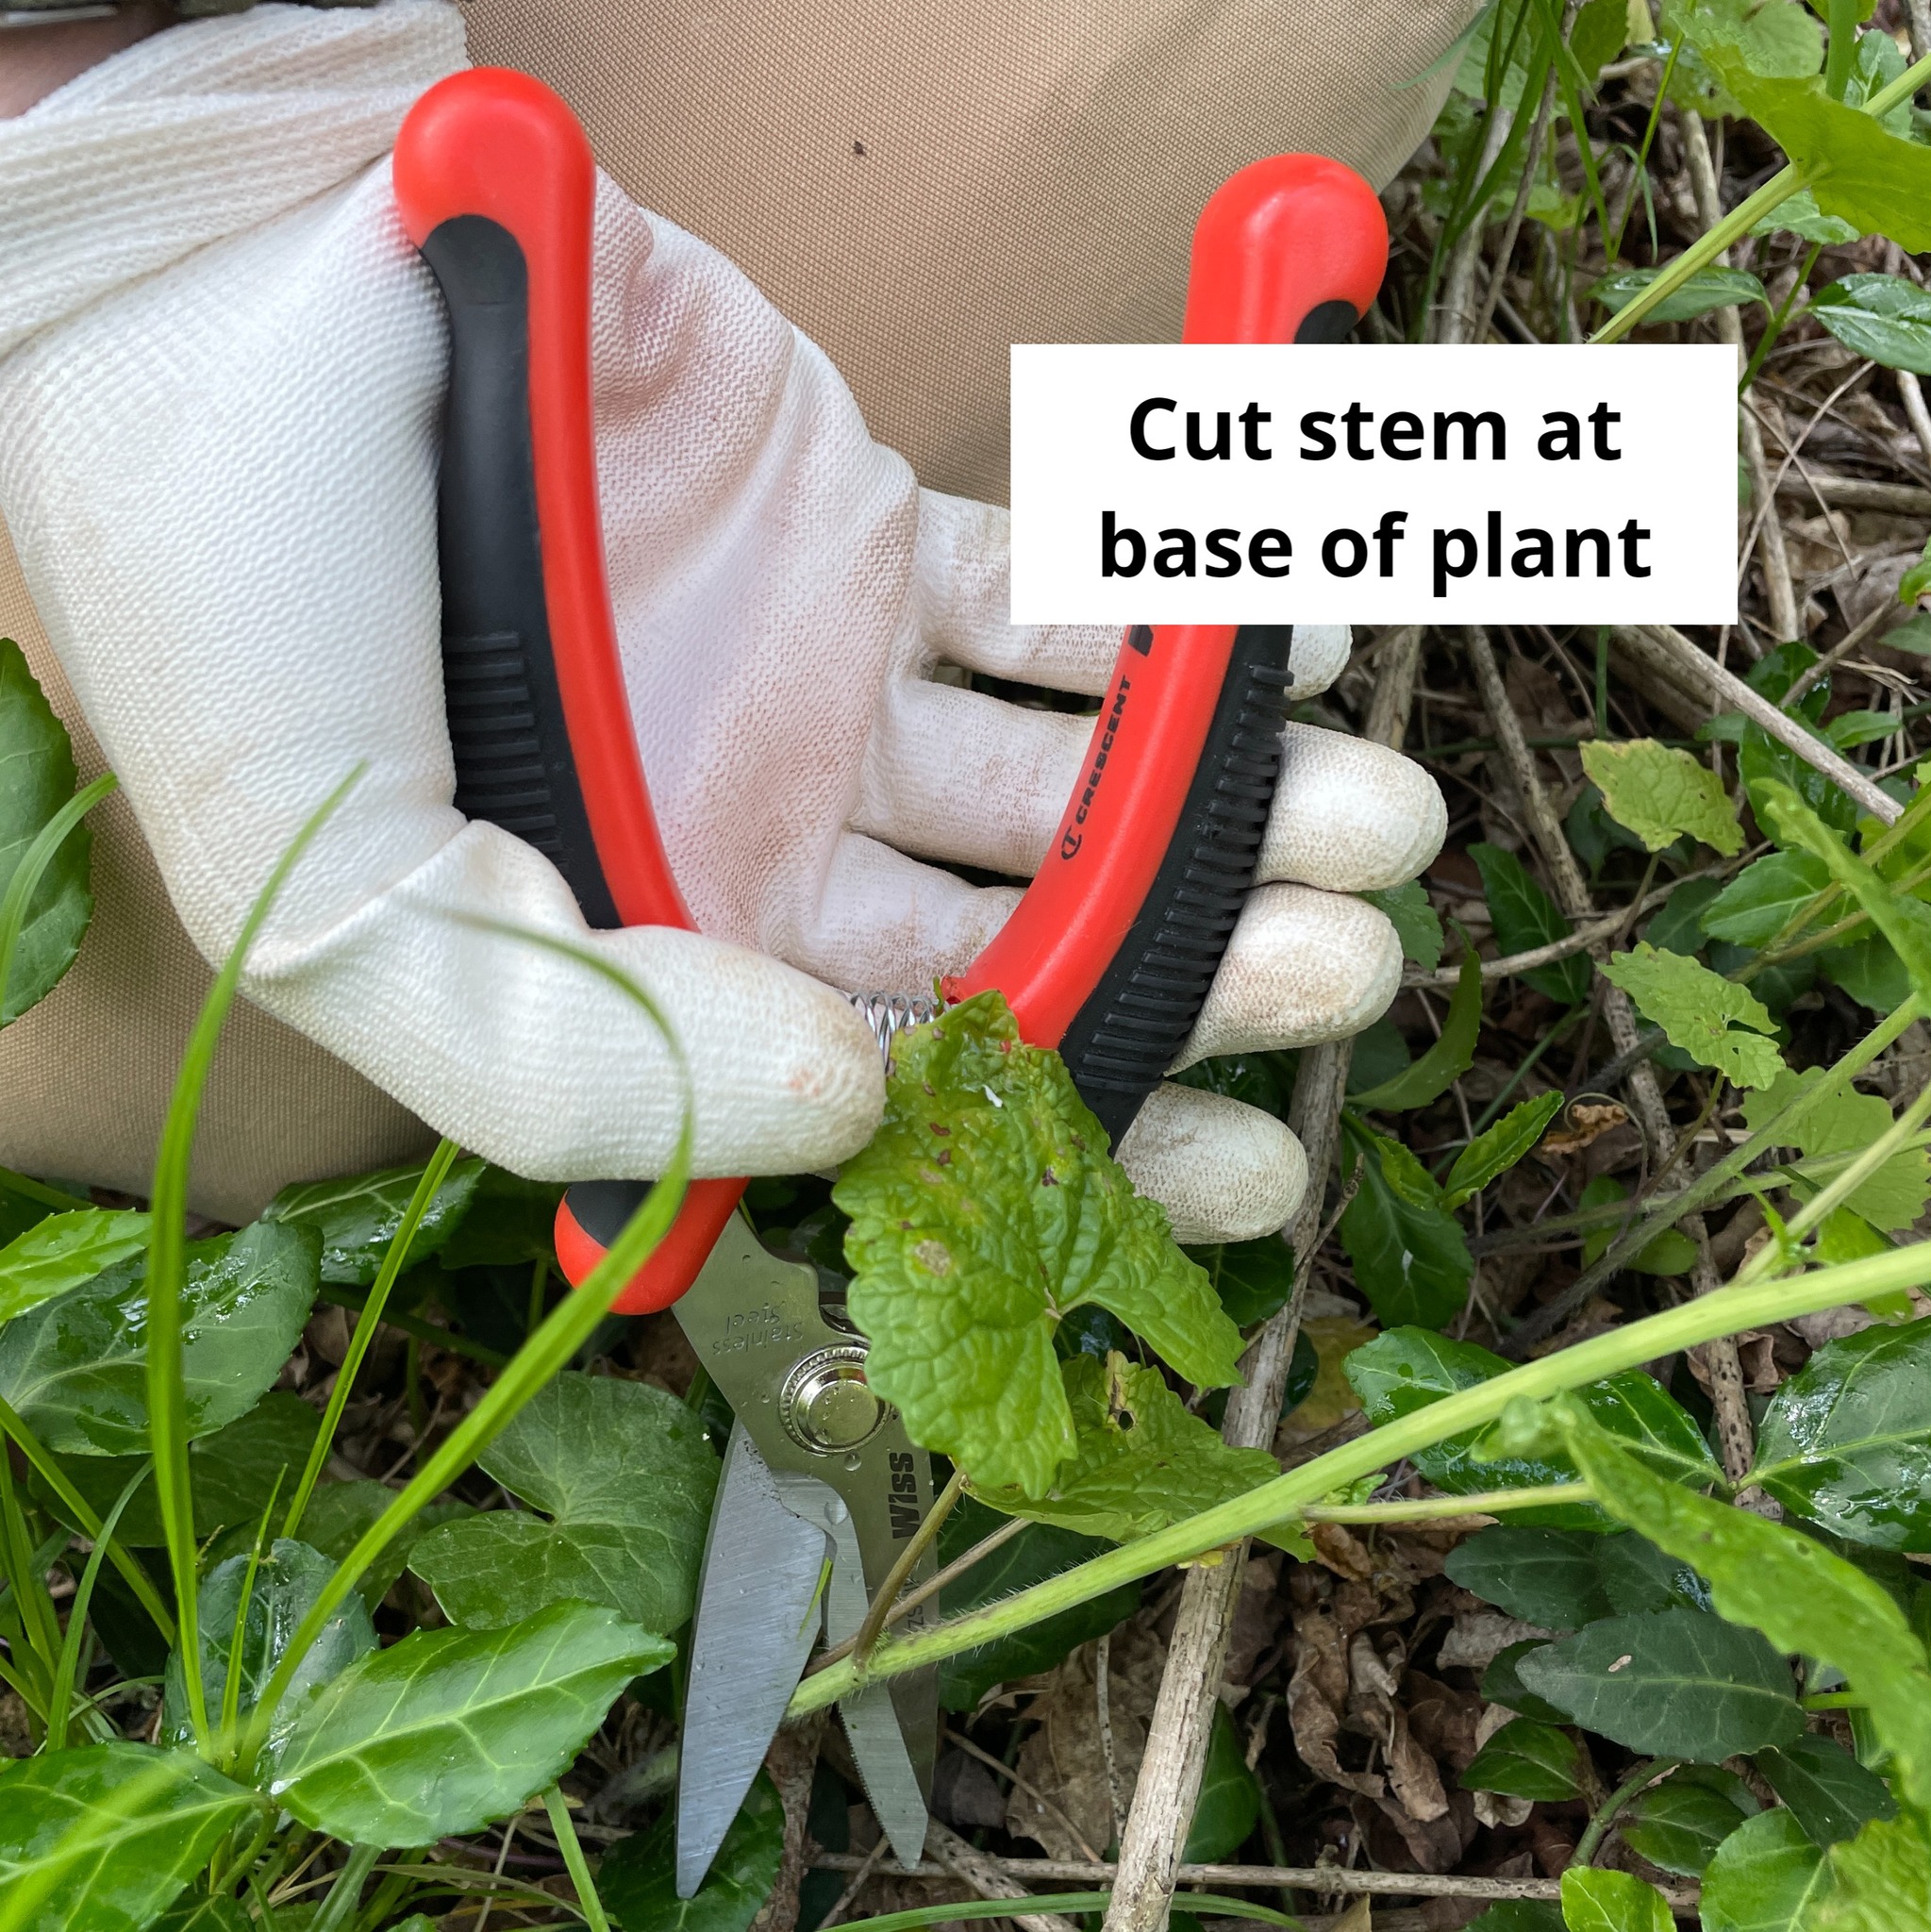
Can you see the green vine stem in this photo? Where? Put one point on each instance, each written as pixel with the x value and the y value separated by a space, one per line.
pixel 1447 1508
pixel 1725 1311
pixel 1611 1807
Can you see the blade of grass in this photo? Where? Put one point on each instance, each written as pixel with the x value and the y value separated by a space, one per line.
pixel 26 1569
pixel 238 1633
pixel 33 862
pixel 68 1670
pixel 573 1858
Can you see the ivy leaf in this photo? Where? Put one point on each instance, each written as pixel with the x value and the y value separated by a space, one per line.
pixel 1695 1007
pixel 1143 1460
pixel 108 1835
pixel 1830 1794
pixel 1801 215
pixel 1846 1442
pixel 75 1369
pixel 1846 1122
pixel 1543 1576
pixel 1253 1279
pixel 963 1272
pixel 1524 917
pixel 37 779
pixel 1229 1803
pixel 1679 1824
pixel 357 1217
pixel 61 1252
pixel 1764 897
pixel 626 1476
pixel 1660 793
pixel 1447 1061
pixel 1497 1148
pixel 1880 1880
pixel 1708 289
pixel 1416 923
pixel 1595 1900
pixel 1766 1876
pixel 1410 1260
pixel 338 1515
pixel 449 1729
pixel 637 1878
pixel 1528 1759
pixel 1882 317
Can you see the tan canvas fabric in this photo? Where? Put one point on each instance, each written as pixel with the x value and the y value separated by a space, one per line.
pixel 919 184
pixel 917 187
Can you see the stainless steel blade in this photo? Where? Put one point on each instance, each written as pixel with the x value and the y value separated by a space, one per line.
pixel 759 1605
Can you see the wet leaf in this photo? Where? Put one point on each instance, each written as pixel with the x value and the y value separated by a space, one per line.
pixel 1497 1148
pixel 339 1514
pixel 637 1878
pixel 62 1251
pixel 1528 1759
pixel 1766 1876
pixel 356 1216
pixel 1883 317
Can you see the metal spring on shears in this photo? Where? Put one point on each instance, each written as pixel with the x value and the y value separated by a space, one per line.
pixel 889 1014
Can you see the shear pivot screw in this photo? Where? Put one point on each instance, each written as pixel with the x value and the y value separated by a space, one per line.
pixel 825 1406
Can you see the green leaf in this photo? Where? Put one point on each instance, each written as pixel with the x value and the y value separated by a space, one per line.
pixel 1870 971
pixel 1524 917
pixel 1039 1551
pixel 1502 1685
pixel 1229 1804
pixel 1764 897
pixel 1253 1279
pixel 356 1216
pixel 1497 1148
pixel 1694 1008
pixel 206 1914
pixel 1143 1460
pixel 1543 1576
pixel 509 1220
pixel 1880 1881
pixel 1883 317
pixel 61 1252
pixel 626 1476
pixel 1416 923
pixel 1829 1793
pixel 1670 1684
pixel 1410 1260
pixel 963 1271
pixel 37 762
pixel 1914 582
pixel 1766 1876
pixel 1600 33
pixel 1676 924
pixel 1447 1061
pixel 1594 1900
pixel 105 1837
pixel 1678 1825
pixel 77 1368
pixel 1670 1252
pixel 1528 1759
pixel 285 1584
pixel 1847 1122
pixel 1519 1915
pixel 1661 793
pixel 1638 1576
pixel 1846 1442
pixel 449 1729
pixel 638 1880
pixel 1705 289
pixel 1801 215
pixel 338 1515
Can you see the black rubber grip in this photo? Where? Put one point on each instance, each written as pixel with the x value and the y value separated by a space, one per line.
pixel 513 762
pixel 1138 1018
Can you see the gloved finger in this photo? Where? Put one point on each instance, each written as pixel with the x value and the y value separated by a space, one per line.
pixel 1349 815
pixel 1224 1171
pixel 958 775
pixel 1302 966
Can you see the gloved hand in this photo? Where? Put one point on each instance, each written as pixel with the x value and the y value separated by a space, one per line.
pixel 221 364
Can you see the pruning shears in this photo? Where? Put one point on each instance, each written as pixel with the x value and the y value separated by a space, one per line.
pixel 1108 958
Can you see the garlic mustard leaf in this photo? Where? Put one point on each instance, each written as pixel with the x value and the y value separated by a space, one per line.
pixel 1660 793
pixel 1694 1008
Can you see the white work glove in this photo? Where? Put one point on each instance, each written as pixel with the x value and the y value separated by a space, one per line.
pixel 221 367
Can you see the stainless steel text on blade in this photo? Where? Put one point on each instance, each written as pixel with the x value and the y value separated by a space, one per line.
pixel 760 1603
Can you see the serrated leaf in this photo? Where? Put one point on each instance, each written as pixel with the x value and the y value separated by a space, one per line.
pixel 1847 1122
pixel 1801 215
pixel 62 1251
pixel 1595 1900
pixel 356 1216
pixel 1678 1825
pixel 450 1729
pixel 1142 1461
pixel 1661 793
pixel 1411 1259
pixel 638 1880
pixel 1447 1061
pixel 1764 897
pixel 626 1475
pixel 37 779
pixel 286 1582
pixel 1524 917
pixel 1829 1793
pixel 1880 1881
pixel 1705 289
pixel 1846 1442
pixel 1543 1576
pixel 1670 1684
pixel 106 1837
pixel 75 1369
pixel 1882 317
pixel 984 1209
pixel 1528 1759
pixel 1497 1148
pixel 1766 1876
pixel 1416 923
pixel 1039 1551
pixel 1695 1007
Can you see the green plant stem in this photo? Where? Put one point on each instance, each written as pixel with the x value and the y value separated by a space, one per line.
pixel 1433 1508
pixel 76 1506
pixel 417 1331
pixel 1841 61
pixel 922 1539
pixel 237 1631
pixel 434 1175
pixel 33 863
pixel 26 1571
pixel 1725 1311
pixel 1834 1700
pixel 67 1671
pixel 347 1890
pixel 573 1858
pixel 1774 327
pixel 1606 1813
